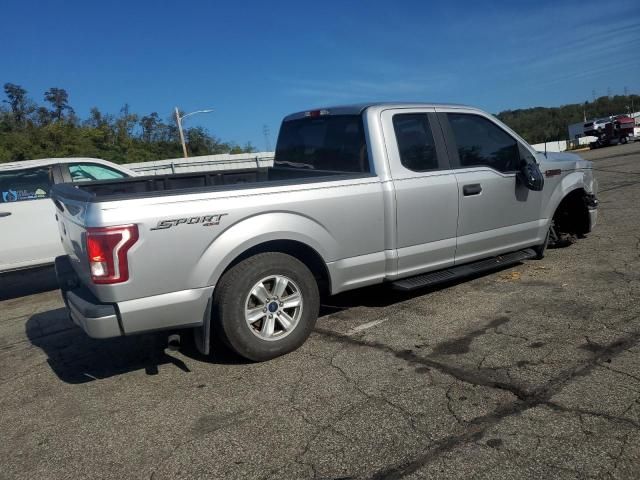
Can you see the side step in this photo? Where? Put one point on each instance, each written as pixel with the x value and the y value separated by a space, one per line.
pixel 461 271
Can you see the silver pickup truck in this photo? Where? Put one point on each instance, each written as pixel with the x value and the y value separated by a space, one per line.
pixel 408 194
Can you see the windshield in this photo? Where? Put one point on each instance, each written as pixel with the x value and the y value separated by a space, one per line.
pixel 334 143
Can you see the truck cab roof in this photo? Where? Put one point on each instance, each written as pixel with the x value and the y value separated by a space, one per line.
pixel 358 108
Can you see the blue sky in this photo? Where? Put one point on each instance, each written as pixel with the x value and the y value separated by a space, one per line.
pixel 254 62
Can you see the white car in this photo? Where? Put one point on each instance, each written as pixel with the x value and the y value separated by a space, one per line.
pixel 595 127
pixel 29 234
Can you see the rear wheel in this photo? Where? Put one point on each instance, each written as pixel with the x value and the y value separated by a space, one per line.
pixel 266 306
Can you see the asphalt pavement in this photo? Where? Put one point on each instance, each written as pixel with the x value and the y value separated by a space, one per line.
pixel 529 372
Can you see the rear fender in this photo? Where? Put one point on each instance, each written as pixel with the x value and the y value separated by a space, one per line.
pixel 253 231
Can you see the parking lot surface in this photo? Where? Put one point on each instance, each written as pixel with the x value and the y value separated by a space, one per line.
pixel 529 372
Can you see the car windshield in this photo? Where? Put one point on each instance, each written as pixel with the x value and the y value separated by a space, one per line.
pixel 91 171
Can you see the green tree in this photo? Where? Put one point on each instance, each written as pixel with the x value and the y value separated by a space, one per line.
pixel 124 126
pixel 18 102
pixel 59 100
pixel 150 126
pixel 31 131
pixel 539 124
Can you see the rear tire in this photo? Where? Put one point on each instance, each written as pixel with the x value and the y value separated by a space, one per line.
pixel 266 306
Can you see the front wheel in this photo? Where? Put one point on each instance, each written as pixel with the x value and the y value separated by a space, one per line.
pixel 266 306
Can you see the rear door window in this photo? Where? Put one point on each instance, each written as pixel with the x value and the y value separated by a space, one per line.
pixel 87 172
pixel 415 142
pixel 26 184
pixel 330 142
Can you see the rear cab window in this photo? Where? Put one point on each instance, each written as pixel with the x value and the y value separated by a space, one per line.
pixel 25 184
pixel 332 143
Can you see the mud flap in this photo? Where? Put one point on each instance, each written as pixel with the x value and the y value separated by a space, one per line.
pixel 202 335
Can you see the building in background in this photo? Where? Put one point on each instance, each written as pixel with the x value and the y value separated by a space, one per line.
pixel 576 130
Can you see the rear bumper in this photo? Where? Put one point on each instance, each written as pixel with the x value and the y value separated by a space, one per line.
pixel 182 309
pixel 96 319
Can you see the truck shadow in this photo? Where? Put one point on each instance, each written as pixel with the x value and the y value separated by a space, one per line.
pixel 383 295
pixel 76 358
pixel 27 282
pixel 374 296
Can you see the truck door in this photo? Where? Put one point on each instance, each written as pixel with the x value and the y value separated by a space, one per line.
pixel 27 218
pixel 497 214
pixel 425 189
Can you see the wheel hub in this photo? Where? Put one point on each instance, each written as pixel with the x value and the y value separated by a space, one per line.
pixel 273 307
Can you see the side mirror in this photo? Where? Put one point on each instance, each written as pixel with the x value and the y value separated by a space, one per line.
pixel 530 176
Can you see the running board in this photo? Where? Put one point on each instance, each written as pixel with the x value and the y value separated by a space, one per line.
pixel 461 271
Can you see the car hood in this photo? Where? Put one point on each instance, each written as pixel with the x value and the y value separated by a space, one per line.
pixel 564 161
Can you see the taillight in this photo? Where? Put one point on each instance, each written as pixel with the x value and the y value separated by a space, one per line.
pixel 107 250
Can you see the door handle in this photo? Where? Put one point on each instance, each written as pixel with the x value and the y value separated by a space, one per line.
pixel 473 189
pixel 4 214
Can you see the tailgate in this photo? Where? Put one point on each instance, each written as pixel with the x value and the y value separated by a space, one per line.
pixel 71 213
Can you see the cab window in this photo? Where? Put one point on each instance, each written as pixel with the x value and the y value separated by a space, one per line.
pixel 87 172
pixel 26 184
pixel 331 142
pixel 481 142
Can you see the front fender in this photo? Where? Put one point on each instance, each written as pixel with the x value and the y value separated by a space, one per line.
pixel 573 181
pixel 258 229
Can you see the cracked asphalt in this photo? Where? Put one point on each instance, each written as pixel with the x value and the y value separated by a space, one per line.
pixel 529 372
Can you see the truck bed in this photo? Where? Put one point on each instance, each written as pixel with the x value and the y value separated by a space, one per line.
pixel 197 182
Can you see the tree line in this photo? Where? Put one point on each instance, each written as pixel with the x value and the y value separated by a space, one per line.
pixel 29 130
pixel 540 124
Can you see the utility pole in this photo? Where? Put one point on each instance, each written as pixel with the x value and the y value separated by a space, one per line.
pixel 179 122
pixel 267 139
